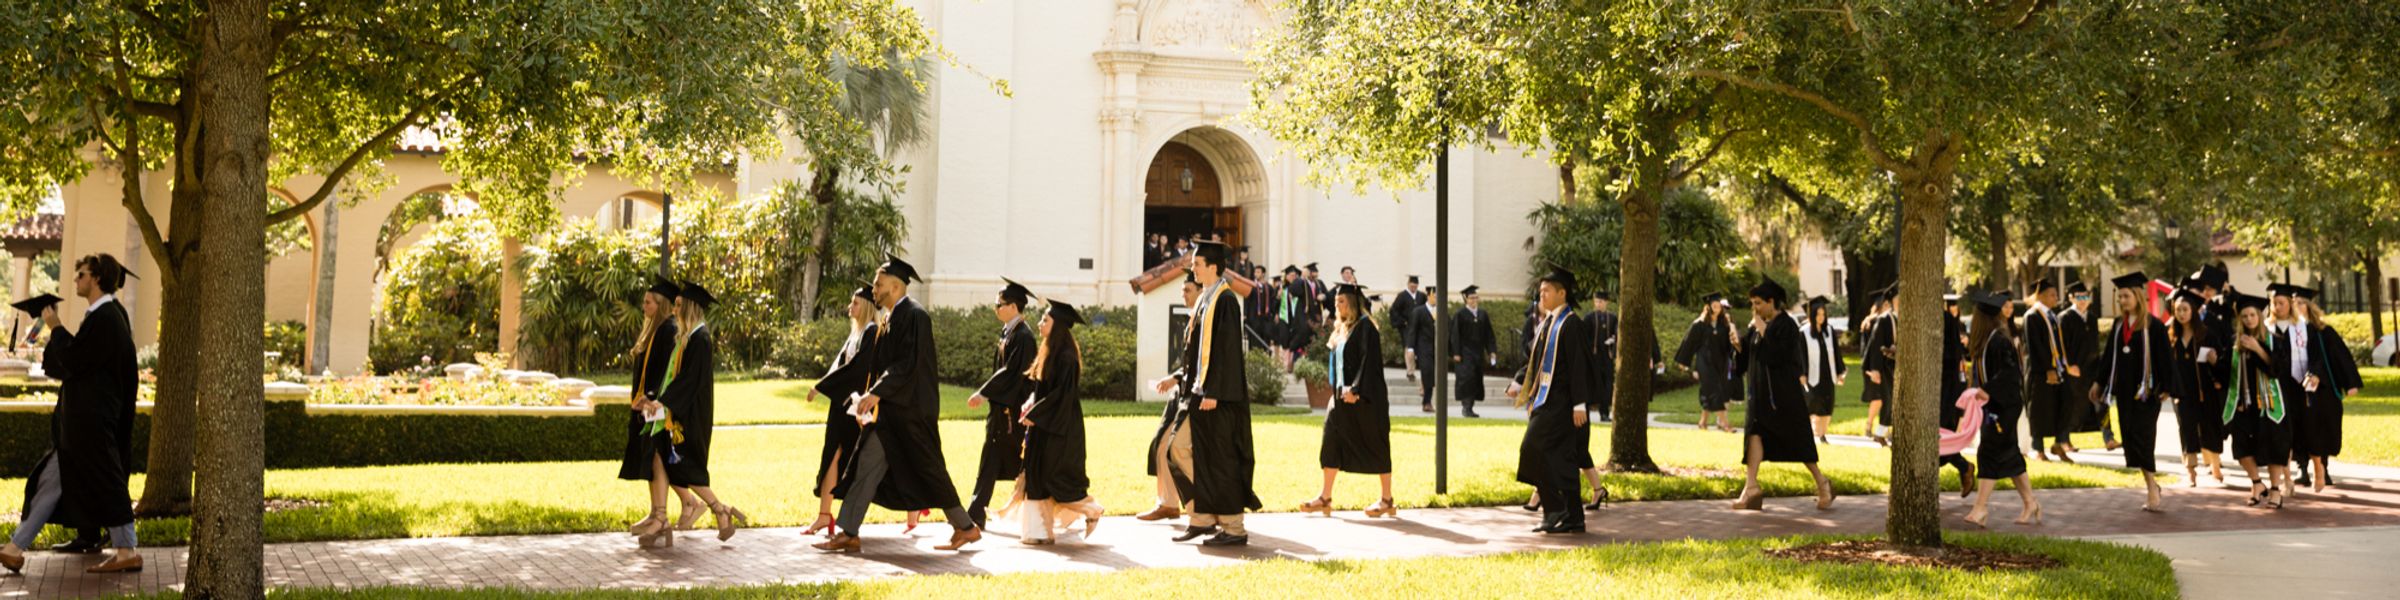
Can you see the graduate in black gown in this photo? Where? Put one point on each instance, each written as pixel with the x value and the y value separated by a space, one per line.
pixel 688 396
pixel 2322 373
pixel 651 353
pixel 1825 368
pixel 1554 387
pixel 1773 357
pixel 1472 347
pixel 844 380
pixel 1004 393
pixel 1879 361
pixel 1211 448
pixel 2001 376
pixel 899 464
pixel 2049 405
pixel 1708 350
pixel 1420 343
pixel 1055 484
pixel 1358 425
pixel 81 482
pixel 1403 322
pixel 1170 497
pixel 2198 425
pixel 1258 312
pixel 2134 366
pixel 1296 307
pixel 2082 338
pixel 2257 413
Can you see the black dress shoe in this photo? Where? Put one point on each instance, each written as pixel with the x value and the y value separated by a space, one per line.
pixel 1227 539
pixel 1193 533
pixel 1563 529
pixel 1470 414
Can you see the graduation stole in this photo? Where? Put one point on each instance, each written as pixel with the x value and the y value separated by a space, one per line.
pixel 1207 325
pixel 643 366
pixel 674 366
pixel 2058 346
pixel 1547 344
pixel 1334 375
pixel 2271 392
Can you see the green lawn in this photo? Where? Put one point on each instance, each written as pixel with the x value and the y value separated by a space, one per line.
pixel 1849 414
pixel 767 472
pixel 2371 420
pixel 1688 569
pixel 778 401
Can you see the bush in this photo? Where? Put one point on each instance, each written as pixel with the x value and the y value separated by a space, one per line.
pixel 808 351
pixel 2359 333
pixel 441 299
pixel 302 441
pixel 1108 361
pixel 583 298
pixel 289 341
pixel 1312 371
pixel 1265 376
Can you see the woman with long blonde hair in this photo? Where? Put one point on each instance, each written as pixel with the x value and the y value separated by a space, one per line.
pixel 2256 412
pixel 2322 373
pixel 1358 425
pixel 650 355
pixel 2135 366
pixel 846 377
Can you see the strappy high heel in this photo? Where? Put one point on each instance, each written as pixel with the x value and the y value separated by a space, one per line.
pixel 657 521
pixel 728 519
pixel 690 517
pixel 1978 516
pixel 1382 508
pixel 1751 499
pixel 2258 493
pixel 823 523
pixel 1321 505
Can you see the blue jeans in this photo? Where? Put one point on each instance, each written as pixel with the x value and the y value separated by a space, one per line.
pixel 45 503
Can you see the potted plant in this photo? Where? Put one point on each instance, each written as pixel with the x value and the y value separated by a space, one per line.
pixel 1312 374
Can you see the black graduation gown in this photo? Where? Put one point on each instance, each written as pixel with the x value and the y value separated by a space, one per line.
pixel 649 368
pixel 1778 415
pixel 1172 414
pixel 691 400
pixel 1054 455
pixel 1296 312
pixel 1549 456
pixel 90 427
pixel 2259 382
pixel 1222 453
pixel 1708 351
pixel 908 416
pixel 2318 431
pixel 1954 360
pixel 1878 356
pixel 1998 372
pixel 2121 373
pixel 2199 406
pixel 1428 358
pixel 1471 340
pixel 1829 365
pixel 1004 394
pixel 1258 310
pixel 2083 342
pixel 848 376
pixel 1604 359
pixel 1358 436
pixel 2048 404
pixel 1406 306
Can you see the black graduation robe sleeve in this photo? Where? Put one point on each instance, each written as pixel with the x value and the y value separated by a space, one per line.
pixel 1008 384
pixel 1692 339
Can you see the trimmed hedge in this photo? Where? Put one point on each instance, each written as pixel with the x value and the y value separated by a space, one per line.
pixel 966 340
pixel 298 440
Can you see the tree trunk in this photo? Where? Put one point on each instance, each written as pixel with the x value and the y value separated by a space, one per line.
pixel 167 489
pixel 1869 270
pixel 1997 272
pixel 226 554
pixel 1637 286
pixel 2375 299
pixel 1914 517
pixel 320 318
pixel 820 240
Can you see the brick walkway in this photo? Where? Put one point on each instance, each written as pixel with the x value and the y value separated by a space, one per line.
pixel 763 556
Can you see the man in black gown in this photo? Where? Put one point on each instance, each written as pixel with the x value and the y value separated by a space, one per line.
pixel 1420 342
pixel 1258 311
pixel 1405 307
pixel 1211 450
pixel 1554 388
pixel 1005 391
pixel 2050 406
pixel 1471 349
pixel 900 464
pixel 80 483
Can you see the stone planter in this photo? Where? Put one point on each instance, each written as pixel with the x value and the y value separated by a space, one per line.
pixel 1320 395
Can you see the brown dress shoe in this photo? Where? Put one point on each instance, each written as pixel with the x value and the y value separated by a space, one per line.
pixel 961 539
pixel 13 561
pixel 841 542
pixel 121 560
pixel 1161 513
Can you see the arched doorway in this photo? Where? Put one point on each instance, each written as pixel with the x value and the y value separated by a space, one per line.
pixel 1181 197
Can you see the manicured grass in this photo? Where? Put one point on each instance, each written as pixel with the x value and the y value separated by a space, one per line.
pixel 1849 414
pixel 767 471
pixel 1686 569
pixel 2371 419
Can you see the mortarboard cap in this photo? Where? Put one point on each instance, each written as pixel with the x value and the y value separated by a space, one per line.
pixel 2044 285
pixel 2134 280
pixel 1768 290
pixel 692 292
pixel 665 288
pixel 2241 300
pixel 1602 295
pixel 1015 293
pixel 864 293
pixel 2078 288
pixel 1064 314
pixel 1711 298
pixel 898 269
pixel 1209 250
pixel 1412 279
pixel 1990 303
pixel 33 306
